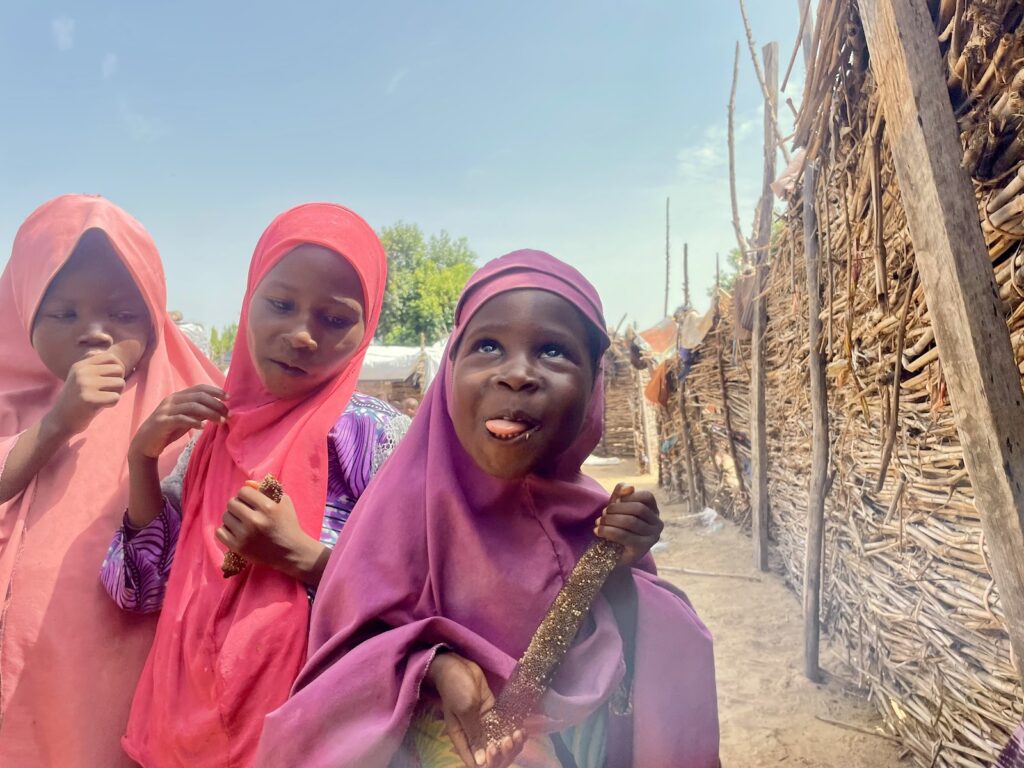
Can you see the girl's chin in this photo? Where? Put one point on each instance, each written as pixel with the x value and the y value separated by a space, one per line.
pixel 285 387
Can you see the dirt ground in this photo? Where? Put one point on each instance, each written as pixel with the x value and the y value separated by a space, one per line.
pixel 769 712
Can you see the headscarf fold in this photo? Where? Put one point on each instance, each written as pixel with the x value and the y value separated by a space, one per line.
pixel 439 552
pixel 227 651
pixel 69 657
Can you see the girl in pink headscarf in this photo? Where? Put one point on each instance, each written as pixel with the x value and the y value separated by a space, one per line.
pixel 227 650
pixel 462 542
pixel 88 350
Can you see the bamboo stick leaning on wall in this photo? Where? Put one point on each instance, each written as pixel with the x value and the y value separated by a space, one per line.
pixel 758 425
pixel 741 489
pixel 815 541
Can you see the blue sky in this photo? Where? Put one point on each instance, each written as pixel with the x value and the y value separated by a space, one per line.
pixel 554 125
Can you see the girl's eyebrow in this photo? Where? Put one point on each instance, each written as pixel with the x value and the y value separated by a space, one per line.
pixel 276 283
pixel 347 301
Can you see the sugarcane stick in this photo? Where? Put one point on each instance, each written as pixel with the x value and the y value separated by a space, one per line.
pixel 233 563
pixel 552 639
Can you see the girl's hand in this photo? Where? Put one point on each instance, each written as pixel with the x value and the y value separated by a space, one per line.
pixel 268 532
pixel 632 521
pixel 95 382
pixel 465 698
pixel 176 415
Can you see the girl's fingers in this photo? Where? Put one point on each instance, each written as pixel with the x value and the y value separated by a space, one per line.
pixel 459 740
pixel 640 497
pixel 627 539
pixel 110 384
pixel 243 514
pixel 232 524
pixel 633 508
pixel 251 496
pixel 200 411
pixel 208 401
pixel 208 389
pixel 186 423
pixel 225 537
pixel 113 367
pixel 630 524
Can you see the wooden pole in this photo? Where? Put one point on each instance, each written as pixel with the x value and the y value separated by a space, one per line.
pixel 759 437
pixel 726 410
pixel 769 84
pixel 953 265
pixel 815 543
pixel 691 471
pixel 686 275
pixel 668 256
pixel 741 241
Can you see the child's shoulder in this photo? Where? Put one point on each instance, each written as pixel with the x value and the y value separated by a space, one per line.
pixel 370 422
pixel 369 405
pixel 367 408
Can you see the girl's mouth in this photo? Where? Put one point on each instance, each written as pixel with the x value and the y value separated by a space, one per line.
pixel 289 370
pixel 510 429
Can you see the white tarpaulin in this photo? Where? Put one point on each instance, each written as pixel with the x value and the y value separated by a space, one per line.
pixel 399 363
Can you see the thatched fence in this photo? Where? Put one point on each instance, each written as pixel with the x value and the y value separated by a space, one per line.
pixel 907 593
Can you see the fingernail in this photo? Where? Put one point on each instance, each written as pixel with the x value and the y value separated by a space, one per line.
pixel 480 757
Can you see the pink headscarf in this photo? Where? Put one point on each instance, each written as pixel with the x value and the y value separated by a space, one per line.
pixel 438 551
pixel 69 657
pixel 227 651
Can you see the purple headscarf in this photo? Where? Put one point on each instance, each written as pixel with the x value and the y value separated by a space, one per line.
pixel 439 552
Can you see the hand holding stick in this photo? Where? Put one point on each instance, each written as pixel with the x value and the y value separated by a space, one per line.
pixel 554 636
pixel 234 563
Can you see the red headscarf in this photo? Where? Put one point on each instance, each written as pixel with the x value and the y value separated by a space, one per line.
pixel 227 651
pixel 69 657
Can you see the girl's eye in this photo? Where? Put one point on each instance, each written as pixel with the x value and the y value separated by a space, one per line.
pixel 552 350
pixel 125 317
pixel 487 346
pixel 64 315
pixel 336 322
pixel 279 305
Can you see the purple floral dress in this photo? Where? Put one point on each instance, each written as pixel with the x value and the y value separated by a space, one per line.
pixel 137 565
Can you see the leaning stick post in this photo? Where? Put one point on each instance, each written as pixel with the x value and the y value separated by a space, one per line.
pixel 726 409
pixel 815 542
pixel 668 255
pixel 768 89
pixel 759 441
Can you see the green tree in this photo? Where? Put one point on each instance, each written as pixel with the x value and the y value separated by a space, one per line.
pixel 730 270
pixel 221 343
pixel 733 265
pixel 425 277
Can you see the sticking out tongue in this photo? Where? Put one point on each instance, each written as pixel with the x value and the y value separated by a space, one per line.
pixel 504 428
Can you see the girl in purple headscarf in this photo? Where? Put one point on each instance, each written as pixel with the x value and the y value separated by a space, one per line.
pixel 476 523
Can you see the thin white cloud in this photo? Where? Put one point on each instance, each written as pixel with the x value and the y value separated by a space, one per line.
pixel 140 127
pixel 396 80
pixel 109 66
pixel 63 30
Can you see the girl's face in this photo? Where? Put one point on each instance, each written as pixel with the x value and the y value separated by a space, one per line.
pixel 522 380
pixel 306 320
pixel 92 304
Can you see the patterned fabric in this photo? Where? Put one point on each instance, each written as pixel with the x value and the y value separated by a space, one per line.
pixel 138 562
pixel 1012 755
pixel 426 745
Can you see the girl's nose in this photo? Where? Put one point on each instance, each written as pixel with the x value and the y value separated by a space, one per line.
pixel 95 335
pixel 302 339
pixel 517 375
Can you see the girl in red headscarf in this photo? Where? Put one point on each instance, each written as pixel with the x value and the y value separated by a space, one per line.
pixel 88 350
pixel 227 650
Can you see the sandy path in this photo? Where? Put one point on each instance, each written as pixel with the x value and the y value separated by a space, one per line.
pixel 767 709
